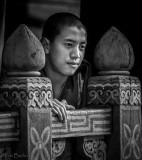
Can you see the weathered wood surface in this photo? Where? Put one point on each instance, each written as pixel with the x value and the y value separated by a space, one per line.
pixel 31 98
pixel 40 132
pixel 79 123
pixel 123 93
pixel 9 127
pixel 29 92
pixel 83 123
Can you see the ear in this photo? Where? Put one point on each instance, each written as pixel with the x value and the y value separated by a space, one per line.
pixel 46 44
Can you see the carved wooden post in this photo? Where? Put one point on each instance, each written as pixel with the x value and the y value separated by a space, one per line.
pixel 27 95
pixel 114 86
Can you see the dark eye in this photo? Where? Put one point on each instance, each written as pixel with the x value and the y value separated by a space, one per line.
pixel 68 44
pixel 82 47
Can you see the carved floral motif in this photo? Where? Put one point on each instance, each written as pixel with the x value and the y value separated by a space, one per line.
pixel 132 138
pixel 39 143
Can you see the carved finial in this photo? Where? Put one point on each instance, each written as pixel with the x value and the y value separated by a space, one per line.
pixel 23 54
pixel 114 53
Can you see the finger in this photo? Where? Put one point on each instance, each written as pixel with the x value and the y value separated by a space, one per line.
pixel 62 108
pixel 51 103
pixel 61 104
pixel 56 109
pixel 64 101
pixel 70 107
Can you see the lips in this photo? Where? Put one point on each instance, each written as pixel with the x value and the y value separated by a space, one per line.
pixel 73 63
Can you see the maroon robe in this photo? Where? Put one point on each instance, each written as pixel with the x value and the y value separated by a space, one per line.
pixel 75 93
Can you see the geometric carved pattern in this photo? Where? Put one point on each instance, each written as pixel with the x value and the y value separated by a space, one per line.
pixel 83 123
pixel 124 90
pixel 103 90
pixel 9 126
pixel 130 91
pixel 95 148
pixel 25 91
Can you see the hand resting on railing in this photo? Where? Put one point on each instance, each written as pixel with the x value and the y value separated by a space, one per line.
pixel 59 109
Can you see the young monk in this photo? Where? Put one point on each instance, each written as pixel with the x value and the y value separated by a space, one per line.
pixel 64 39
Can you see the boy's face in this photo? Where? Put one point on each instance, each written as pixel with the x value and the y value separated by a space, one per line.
pixel 67 50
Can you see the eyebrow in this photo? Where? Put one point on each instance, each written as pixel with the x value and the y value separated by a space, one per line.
pixel 73 41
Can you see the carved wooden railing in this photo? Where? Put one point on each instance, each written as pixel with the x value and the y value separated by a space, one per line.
pixel 110 129
pixel 27 120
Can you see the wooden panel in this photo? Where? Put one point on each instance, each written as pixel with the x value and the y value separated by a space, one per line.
pixel 130 118
pixel 83 123
pixel 39 132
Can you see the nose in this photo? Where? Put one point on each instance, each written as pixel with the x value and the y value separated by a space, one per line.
pixel 75 53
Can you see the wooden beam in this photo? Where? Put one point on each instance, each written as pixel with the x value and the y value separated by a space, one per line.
pixel 83 123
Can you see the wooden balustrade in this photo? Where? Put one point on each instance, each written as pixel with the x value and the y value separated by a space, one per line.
pixel 27 121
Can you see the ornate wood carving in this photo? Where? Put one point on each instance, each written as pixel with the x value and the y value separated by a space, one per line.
pixel 40 135
pixel 123 93
pixel 83 123
pixel 25 92
pixel 95 148
pixel 58 147
pixel 114 90
pixel 31 98
pixel 130 119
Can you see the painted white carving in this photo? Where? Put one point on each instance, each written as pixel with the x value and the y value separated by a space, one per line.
pixel 90 122
pixel 132 139
pixel 40 149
